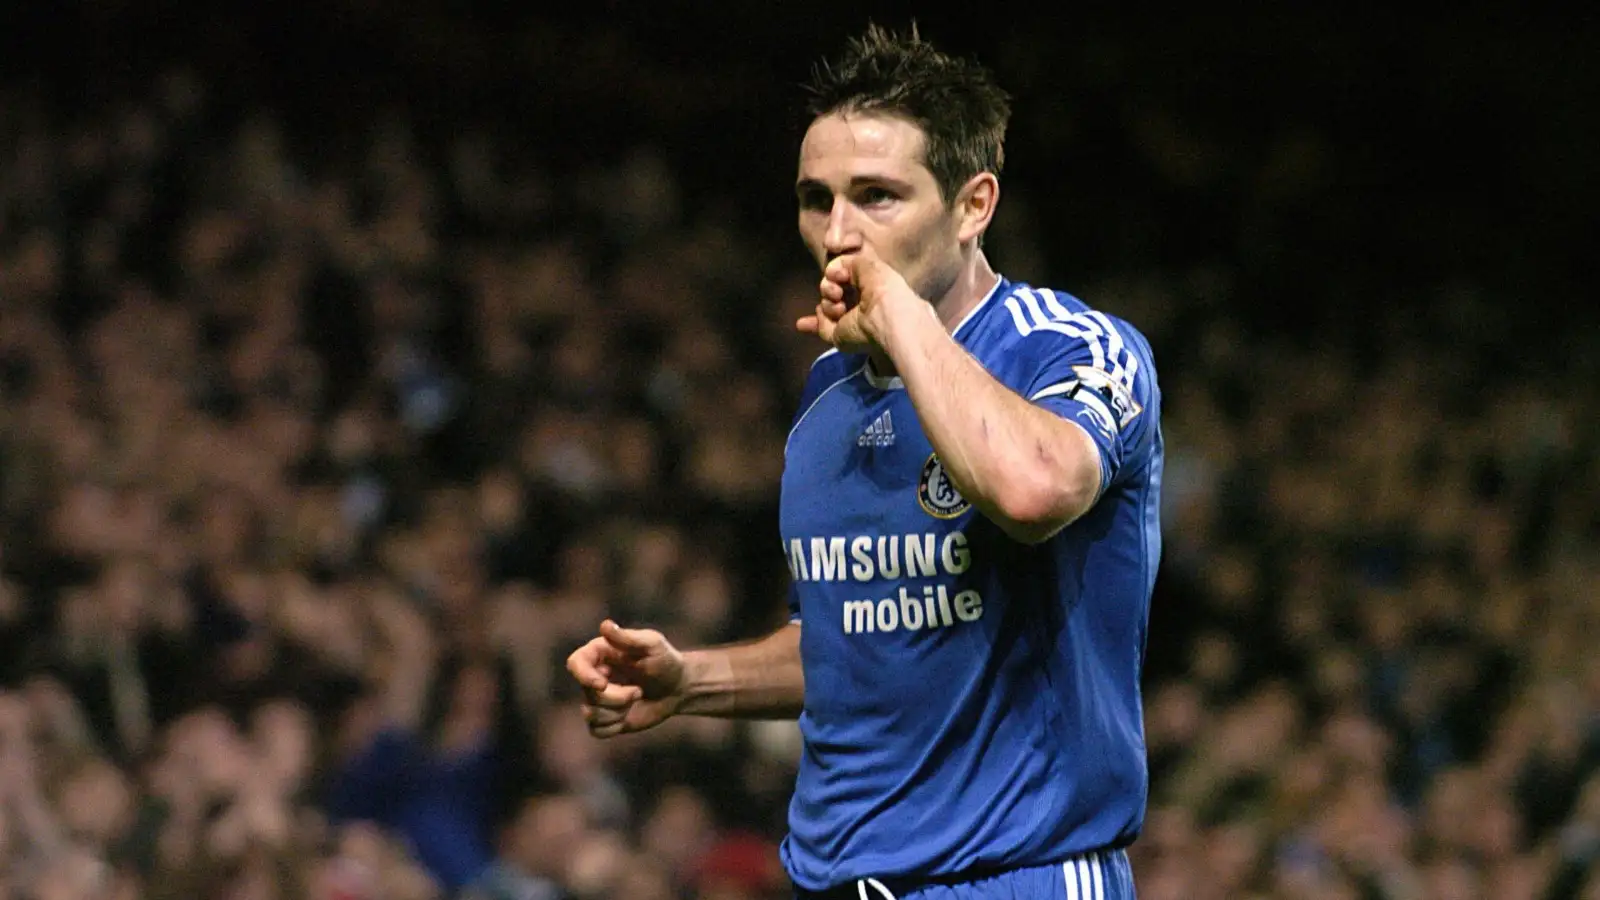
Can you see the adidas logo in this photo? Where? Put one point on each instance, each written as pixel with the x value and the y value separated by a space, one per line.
pixel 879 434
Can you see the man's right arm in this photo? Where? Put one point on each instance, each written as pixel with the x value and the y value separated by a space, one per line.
pixel 759 679
pixel 634 679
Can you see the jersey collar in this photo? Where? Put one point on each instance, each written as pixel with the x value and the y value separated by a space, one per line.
pixel 893 382
pixel 998 289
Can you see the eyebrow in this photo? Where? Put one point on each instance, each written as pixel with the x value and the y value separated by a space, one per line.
pixel 807 184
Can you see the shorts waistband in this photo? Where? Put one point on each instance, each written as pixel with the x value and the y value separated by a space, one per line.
pixel 894 888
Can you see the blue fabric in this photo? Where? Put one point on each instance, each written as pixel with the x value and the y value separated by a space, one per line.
pixel 1097 876
pixel 972 703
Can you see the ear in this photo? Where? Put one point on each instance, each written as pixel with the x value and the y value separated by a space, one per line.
pixel 975 204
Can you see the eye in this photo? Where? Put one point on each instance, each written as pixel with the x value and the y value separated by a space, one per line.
pixel 877 196
pixel 816 200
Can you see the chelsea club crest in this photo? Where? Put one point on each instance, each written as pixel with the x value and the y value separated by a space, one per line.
pixel 936 493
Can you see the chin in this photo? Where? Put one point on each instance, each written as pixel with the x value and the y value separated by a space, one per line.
pixel 933 287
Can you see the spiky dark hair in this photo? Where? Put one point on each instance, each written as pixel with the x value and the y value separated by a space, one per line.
pixel 956 103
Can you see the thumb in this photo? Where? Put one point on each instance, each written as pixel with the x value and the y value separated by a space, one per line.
pixel 842 268
pixel 868 268
pixel 860 262
pixel 631 639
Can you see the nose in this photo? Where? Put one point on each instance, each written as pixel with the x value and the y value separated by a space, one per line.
pixel 843 236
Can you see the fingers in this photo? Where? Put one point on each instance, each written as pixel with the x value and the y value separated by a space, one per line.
pixel 840 270
pixel 587 664
pixel 609 729
pixel 592 664
pixel 836 299
pixel 605 723
pixel 633 641
pixel 826 324
pixel 613 695
pixel 606 703
pixel 600 721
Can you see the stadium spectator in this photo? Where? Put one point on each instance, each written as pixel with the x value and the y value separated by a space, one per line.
pixel 321 446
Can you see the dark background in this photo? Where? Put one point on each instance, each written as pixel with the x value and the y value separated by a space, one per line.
pixel 1359 241
pixel 1456 143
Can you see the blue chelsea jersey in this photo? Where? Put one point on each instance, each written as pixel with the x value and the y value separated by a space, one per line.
pixel 972 703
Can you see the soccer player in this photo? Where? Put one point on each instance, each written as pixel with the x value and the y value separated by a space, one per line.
pixel 969 511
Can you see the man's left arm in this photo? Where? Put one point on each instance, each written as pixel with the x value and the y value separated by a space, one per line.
pixel 1028 469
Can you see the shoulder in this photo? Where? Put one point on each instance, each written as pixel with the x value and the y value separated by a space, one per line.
pixel 1032 325
pixel 832 364
pixel 1029 310
pixel 832 367
pixel 828 370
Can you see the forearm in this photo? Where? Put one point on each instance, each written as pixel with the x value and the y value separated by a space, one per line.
pixel 760 679
pixel 1022 466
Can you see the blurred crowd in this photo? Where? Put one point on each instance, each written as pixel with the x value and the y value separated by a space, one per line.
pixel 316 462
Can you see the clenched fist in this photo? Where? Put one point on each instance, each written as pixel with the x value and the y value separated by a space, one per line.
pixel 859 294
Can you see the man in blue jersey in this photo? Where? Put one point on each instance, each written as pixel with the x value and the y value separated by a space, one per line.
pixel 969 511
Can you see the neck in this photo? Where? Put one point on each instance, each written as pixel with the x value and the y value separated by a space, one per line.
pixel 973 283
pixel 976 279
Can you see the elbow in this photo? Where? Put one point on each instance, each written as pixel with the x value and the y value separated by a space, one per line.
pixel 1034 506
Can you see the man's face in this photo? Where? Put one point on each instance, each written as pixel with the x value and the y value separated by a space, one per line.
pixel 862 182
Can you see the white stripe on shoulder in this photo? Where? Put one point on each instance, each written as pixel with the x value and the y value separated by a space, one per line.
pixel 1018 318
pixel 1090 336
pixel 800 421
pixel 1053 303
pixel 1031 300
pixel 1115 349
pixel 1069 876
